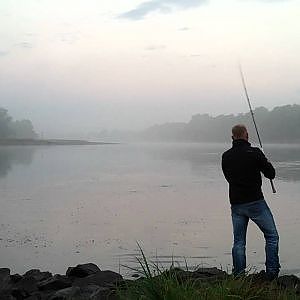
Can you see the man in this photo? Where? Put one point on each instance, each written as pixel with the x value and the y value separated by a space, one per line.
pixel 242 166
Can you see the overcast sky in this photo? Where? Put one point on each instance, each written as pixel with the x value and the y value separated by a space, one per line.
pixel 74 66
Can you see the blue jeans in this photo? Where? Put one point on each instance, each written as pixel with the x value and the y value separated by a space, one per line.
pixel 260 214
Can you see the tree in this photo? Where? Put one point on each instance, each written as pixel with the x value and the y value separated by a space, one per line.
pixel 282 124
pixel 15 129
pixel 23 130
pixel 5 124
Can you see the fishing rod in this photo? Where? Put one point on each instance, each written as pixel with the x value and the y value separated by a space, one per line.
pixel 253 119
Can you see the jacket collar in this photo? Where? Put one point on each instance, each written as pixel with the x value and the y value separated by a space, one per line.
pixel 240 142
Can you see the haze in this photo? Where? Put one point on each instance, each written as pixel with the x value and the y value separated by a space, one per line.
pixel 75 67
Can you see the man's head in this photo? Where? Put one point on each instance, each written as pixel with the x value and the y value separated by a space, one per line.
pixel 239 132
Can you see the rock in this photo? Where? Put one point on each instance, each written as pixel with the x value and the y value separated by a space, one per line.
pixel 4 278
pixel 15 278
pixel 101 278
pixel 34 297
pixel 4 274
pixel 8 283
pixel 103 293
pixel 38 275
pixel 94 292
pixel 24 288
pixel 19 294
pixel 211 272
pixel 41 295
pixel 82 270
pixel 57 282
pixel 66 294
pixel 7 297
pixel 289 281
pixel 87 291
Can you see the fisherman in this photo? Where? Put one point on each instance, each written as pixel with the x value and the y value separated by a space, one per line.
pixel 242 166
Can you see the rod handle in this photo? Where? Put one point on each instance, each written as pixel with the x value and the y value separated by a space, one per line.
pixel 273 187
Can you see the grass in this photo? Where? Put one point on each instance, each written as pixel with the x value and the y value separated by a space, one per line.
pixel 158 283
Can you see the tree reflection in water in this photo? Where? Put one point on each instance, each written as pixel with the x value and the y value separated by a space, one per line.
pixel 14 155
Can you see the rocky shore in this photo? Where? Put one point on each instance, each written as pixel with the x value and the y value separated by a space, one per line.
pixel 87 281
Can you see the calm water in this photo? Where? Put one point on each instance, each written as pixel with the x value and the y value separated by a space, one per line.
pixel 65 205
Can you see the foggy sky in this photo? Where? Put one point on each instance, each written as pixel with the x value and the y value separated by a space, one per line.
pixel 74 66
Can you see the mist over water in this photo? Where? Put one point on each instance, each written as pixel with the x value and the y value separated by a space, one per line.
pixel 65 205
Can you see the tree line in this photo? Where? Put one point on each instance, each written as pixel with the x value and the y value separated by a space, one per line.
pixel 18 129
pixel 279 125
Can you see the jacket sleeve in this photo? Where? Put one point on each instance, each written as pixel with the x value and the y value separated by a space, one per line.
pixel 265 166
pixel 224 168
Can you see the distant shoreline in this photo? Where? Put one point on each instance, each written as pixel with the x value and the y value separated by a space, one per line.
pixel 48 142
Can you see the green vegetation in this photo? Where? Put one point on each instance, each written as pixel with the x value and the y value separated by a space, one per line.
pixel 15 129
pixel 176 284
pixel 278 125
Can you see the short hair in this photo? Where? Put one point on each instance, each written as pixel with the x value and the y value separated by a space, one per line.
pixel 238 131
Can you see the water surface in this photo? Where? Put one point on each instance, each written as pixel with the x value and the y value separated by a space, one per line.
pixel 64 205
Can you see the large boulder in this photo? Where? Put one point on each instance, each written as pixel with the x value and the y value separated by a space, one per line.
pixel 24 288
pixel 8 282
pixel 66 294
pixel 82 270
pixel 35 297
pixel 4 278
pixel 7 297
pixel 57 282
pixel 288 281
pixel 210 273
pixel 4 274
pixel 101 278
pixel 15 278
pixel 103 293
pixel 89 291
pixel 37 275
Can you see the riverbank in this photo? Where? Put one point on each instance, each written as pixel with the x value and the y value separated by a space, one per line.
pixel 48 142
pixel 87 281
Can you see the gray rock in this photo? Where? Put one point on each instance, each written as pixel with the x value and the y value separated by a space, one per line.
pixel 15 278
pixel 82 270
pixel 38 275
pixel 209 272
pixel 87 291
pixel 289 281
pixel 7 297
pixel 42 295
pixel 101 278
pixel 103 293
pixel 57 282
pixel 19 294
pixel 4 273
pixel 4 279
pixel 24 288
pixel 34 297
pixel 66 294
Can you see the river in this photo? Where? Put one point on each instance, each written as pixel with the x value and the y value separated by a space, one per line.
pixel 64 205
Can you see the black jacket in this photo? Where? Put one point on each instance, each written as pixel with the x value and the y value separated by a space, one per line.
pixel 241 166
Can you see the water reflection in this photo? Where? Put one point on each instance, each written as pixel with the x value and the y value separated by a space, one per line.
pixel 199 157
pixel 287 161
pixel 10 155
pixel 286 158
